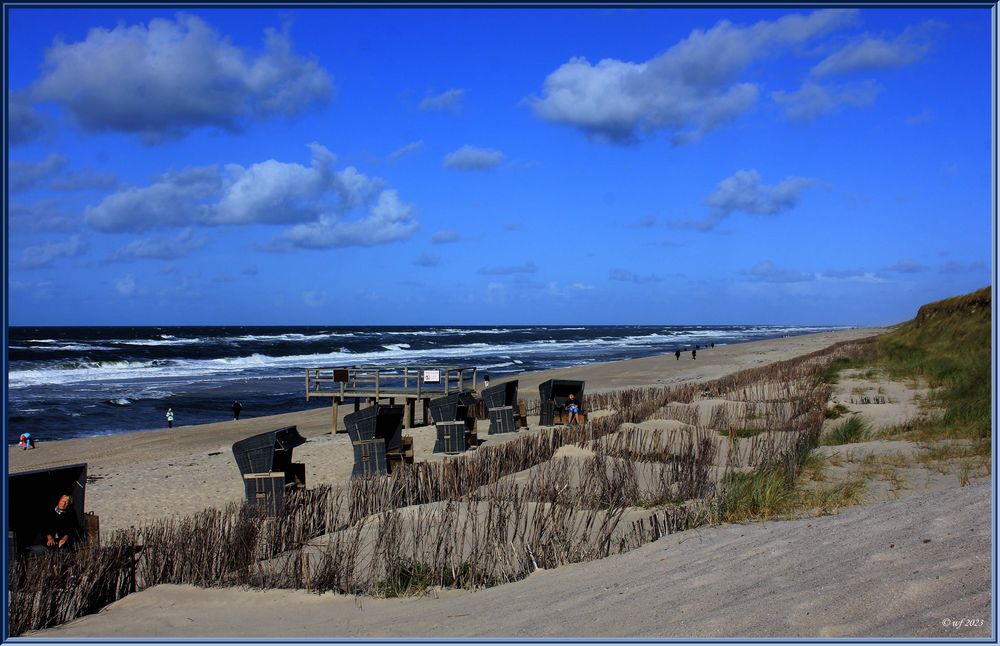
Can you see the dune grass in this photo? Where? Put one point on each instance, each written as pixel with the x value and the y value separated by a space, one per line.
pixel 769 493
pixel 948 345
pixel 851 430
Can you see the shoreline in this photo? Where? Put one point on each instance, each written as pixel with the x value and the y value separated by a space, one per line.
pixel 138 477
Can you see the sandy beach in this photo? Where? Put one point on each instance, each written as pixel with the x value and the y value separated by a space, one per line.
pixel 916 557
pixel 143 476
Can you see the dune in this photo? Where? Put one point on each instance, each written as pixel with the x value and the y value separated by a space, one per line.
pixel 917 566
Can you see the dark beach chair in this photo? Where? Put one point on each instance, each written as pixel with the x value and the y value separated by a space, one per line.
pixel 265 462
pixel 376 434
pixel 552 395
pixel 501 405
pixel 455 422
pixel 31 496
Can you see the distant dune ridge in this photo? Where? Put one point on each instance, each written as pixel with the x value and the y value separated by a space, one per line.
pixel 639 494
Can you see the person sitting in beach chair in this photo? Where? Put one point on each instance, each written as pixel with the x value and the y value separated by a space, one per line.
pixel 59 529
pixel 573 408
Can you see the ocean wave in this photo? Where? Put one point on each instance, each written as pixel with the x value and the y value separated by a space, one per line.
pixel 548 351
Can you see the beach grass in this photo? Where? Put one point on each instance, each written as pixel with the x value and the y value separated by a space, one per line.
pixel 851 430
pixel 947 346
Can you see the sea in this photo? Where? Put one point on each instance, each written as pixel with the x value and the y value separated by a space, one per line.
pixel 67 382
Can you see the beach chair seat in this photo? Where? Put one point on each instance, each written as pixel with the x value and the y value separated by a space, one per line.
pixel 451 437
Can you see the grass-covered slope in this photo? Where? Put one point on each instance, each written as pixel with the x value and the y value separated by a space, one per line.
pixel 948 344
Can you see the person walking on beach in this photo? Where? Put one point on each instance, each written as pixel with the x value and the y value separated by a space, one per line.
pixel 694 353
pixel 677 354
pixel 170 418
pixel 237 407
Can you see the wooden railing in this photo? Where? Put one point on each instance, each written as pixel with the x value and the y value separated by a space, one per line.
pixel 389 381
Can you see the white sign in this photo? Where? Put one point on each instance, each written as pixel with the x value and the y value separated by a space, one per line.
pixel 432 376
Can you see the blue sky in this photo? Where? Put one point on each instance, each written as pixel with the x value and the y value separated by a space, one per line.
pixel 329 166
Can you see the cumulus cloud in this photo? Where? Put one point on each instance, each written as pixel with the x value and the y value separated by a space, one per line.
pixel 388 220
pixel 176 198
pixel 28 175
pixel 408 149
pixel 180 246
pixel 450 100
pixel 743 191
pixel 473 158
pixel 765 271
pixel 625 276
pixel 445 236
pixel 318 199
pixel 167 78
pixel 870 53
pixel 690 89
pixel 24 123
pixel 526 268
pixel 43 255
pixel 813 99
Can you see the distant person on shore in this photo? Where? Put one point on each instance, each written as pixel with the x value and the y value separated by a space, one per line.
pixel 237 407
pixel 677 354
pixel 170 418
pixel 59 528
pixel 694 353
pixel 27 442
pixel 573 408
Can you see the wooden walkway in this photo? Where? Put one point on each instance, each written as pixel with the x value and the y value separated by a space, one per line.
pixel 371 384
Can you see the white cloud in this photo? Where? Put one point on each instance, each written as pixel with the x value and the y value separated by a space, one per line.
pixel 813 99
pixel 51 173
pixel 180 246
pixel 318 198
pixel 743 191
pixel 315 298
pixel 28 175
pixel 765 271
pixel 44 215
pixel 172 76
pixel 24 123
pixel 869 53
pixel 125 285
pixel 473 158
pixel 446 236
pixel 625 276
pixel 427 260
pixel 43 255
pixel 408 149
pixel 173 199
pixel 690 89
pixel 388 220
pixel 447 100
